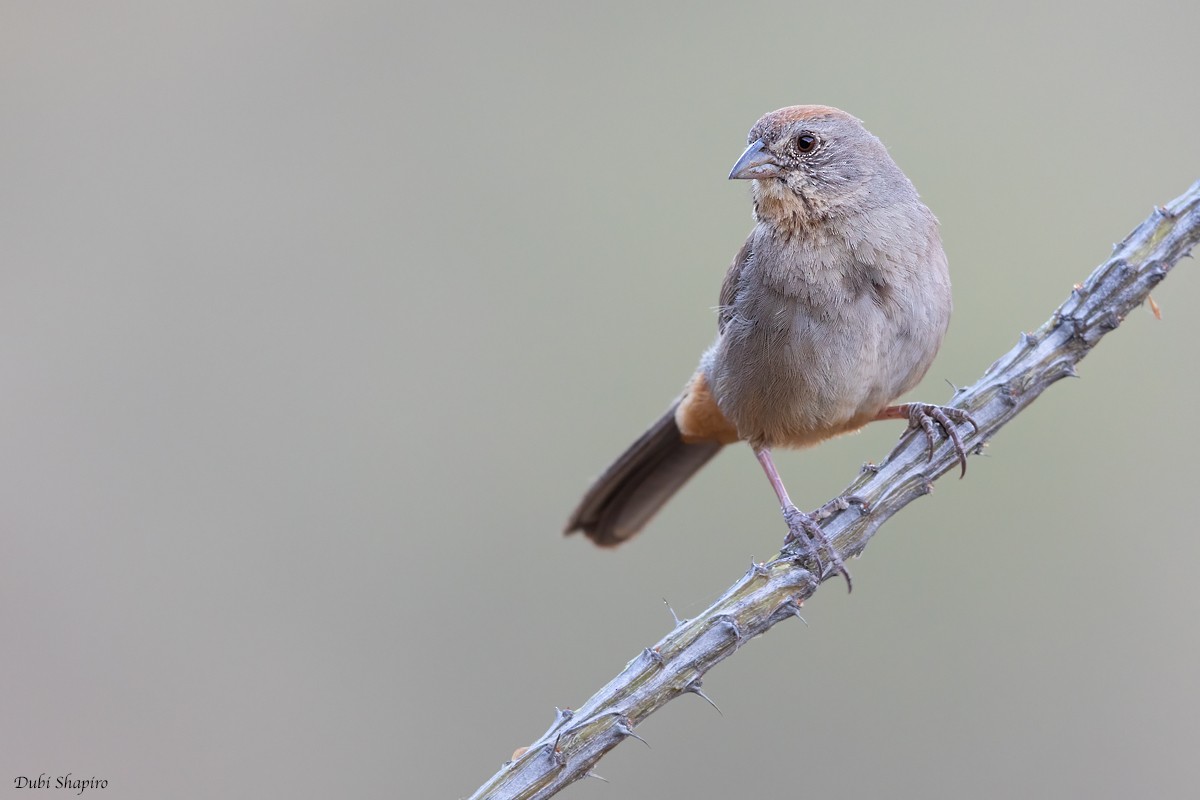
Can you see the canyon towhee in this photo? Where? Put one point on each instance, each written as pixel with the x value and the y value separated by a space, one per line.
pixel 833 308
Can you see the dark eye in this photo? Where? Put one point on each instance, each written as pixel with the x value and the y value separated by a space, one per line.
pixel 805 142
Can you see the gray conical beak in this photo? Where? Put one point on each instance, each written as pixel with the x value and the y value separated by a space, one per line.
pixel 756 162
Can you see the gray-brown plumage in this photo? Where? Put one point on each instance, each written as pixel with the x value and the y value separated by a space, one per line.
pixel 834 307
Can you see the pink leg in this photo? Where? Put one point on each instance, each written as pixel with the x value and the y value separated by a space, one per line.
pixel 801 526
pixel 768 465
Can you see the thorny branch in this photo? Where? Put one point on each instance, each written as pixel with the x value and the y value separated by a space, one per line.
pixel 774 591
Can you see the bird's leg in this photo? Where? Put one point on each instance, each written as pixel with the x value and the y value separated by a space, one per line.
pixel 924 415
pixel 801 526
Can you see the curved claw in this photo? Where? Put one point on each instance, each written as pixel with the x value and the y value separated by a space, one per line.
pixel 804 528
pixel 924 415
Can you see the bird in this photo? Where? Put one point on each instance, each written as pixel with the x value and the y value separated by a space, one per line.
pixel 834 307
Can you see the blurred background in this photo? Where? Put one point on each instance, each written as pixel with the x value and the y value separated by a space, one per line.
pixel 317 318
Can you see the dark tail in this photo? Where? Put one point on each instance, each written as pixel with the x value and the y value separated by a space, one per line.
pixel 639 483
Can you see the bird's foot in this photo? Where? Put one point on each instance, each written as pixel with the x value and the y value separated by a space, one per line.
pixel 805 529
pixel 930 417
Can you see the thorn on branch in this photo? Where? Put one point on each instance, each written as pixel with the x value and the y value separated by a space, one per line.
pixel 625 727
pixel 694 688
pixel 561 715
pixel 674 616
pixel 788 608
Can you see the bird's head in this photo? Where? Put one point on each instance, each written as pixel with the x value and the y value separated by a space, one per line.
pixel 813 162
